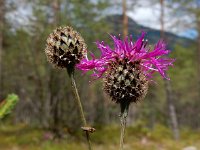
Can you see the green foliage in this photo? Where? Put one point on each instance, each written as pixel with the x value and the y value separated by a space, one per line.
pixel 161 132
pixel 26 138
pixel 138 129
pixel 106 135
pixel 8 104
pixel 184 68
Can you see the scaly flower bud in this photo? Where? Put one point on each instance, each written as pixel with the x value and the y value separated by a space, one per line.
pixel 65 47
pixel 124 81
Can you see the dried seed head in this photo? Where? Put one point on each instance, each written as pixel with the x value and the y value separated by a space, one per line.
pixel 65 47
pixel 125 82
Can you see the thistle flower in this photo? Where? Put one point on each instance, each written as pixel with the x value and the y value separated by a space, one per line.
pixel 128 67
pixel 126 70
pixel 65 48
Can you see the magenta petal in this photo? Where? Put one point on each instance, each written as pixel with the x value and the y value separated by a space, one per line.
pixel 150 61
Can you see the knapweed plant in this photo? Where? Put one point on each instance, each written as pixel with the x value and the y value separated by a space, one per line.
pixel 126 70
pixel 64 49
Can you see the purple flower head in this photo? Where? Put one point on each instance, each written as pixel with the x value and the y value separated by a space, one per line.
pixel 151 61
pixel 127 68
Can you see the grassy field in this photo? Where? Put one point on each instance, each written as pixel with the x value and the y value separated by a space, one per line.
pixel 21 137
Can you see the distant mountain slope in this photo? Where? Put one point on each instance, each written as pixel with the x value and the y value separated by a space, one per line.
pixel 153 35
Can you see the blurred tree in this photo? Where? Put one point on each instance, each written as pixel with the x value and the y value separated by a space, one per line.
pixel 186 14
pixel 125 19
pixel 2 11
pixel 190 9
pixel 169 93
pixel 125 6
pixel 185 70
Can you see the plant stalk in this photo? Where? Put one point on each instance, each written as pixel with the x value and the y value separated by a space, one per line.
pixel 80 108
pixel 123 116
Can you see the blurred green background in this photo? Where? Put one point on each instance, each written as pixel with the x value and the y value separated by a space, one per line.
pixel 46 116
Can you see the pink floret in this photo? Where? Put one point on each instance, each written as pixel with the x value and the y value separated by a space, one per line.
pixel 151 61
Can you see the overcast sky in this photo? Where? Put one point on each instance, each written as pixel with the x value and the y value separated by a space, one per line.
pixel 149 14
pixel 145 14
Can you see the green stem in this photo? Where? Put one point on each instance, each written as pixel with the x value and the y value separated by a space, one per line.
pixel 123 116
pixel 80 108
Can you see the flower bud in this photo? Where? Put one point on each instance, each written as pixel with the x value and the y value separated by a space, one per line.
pixel 65 47
pixel 125 82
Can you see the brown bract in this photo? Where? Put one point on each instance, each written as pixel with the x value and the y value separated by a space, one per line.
pixel 65 47
pixel 125 82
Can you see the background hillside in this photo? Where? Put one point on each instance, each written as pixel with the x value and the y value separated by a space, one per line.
pixel 153 35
